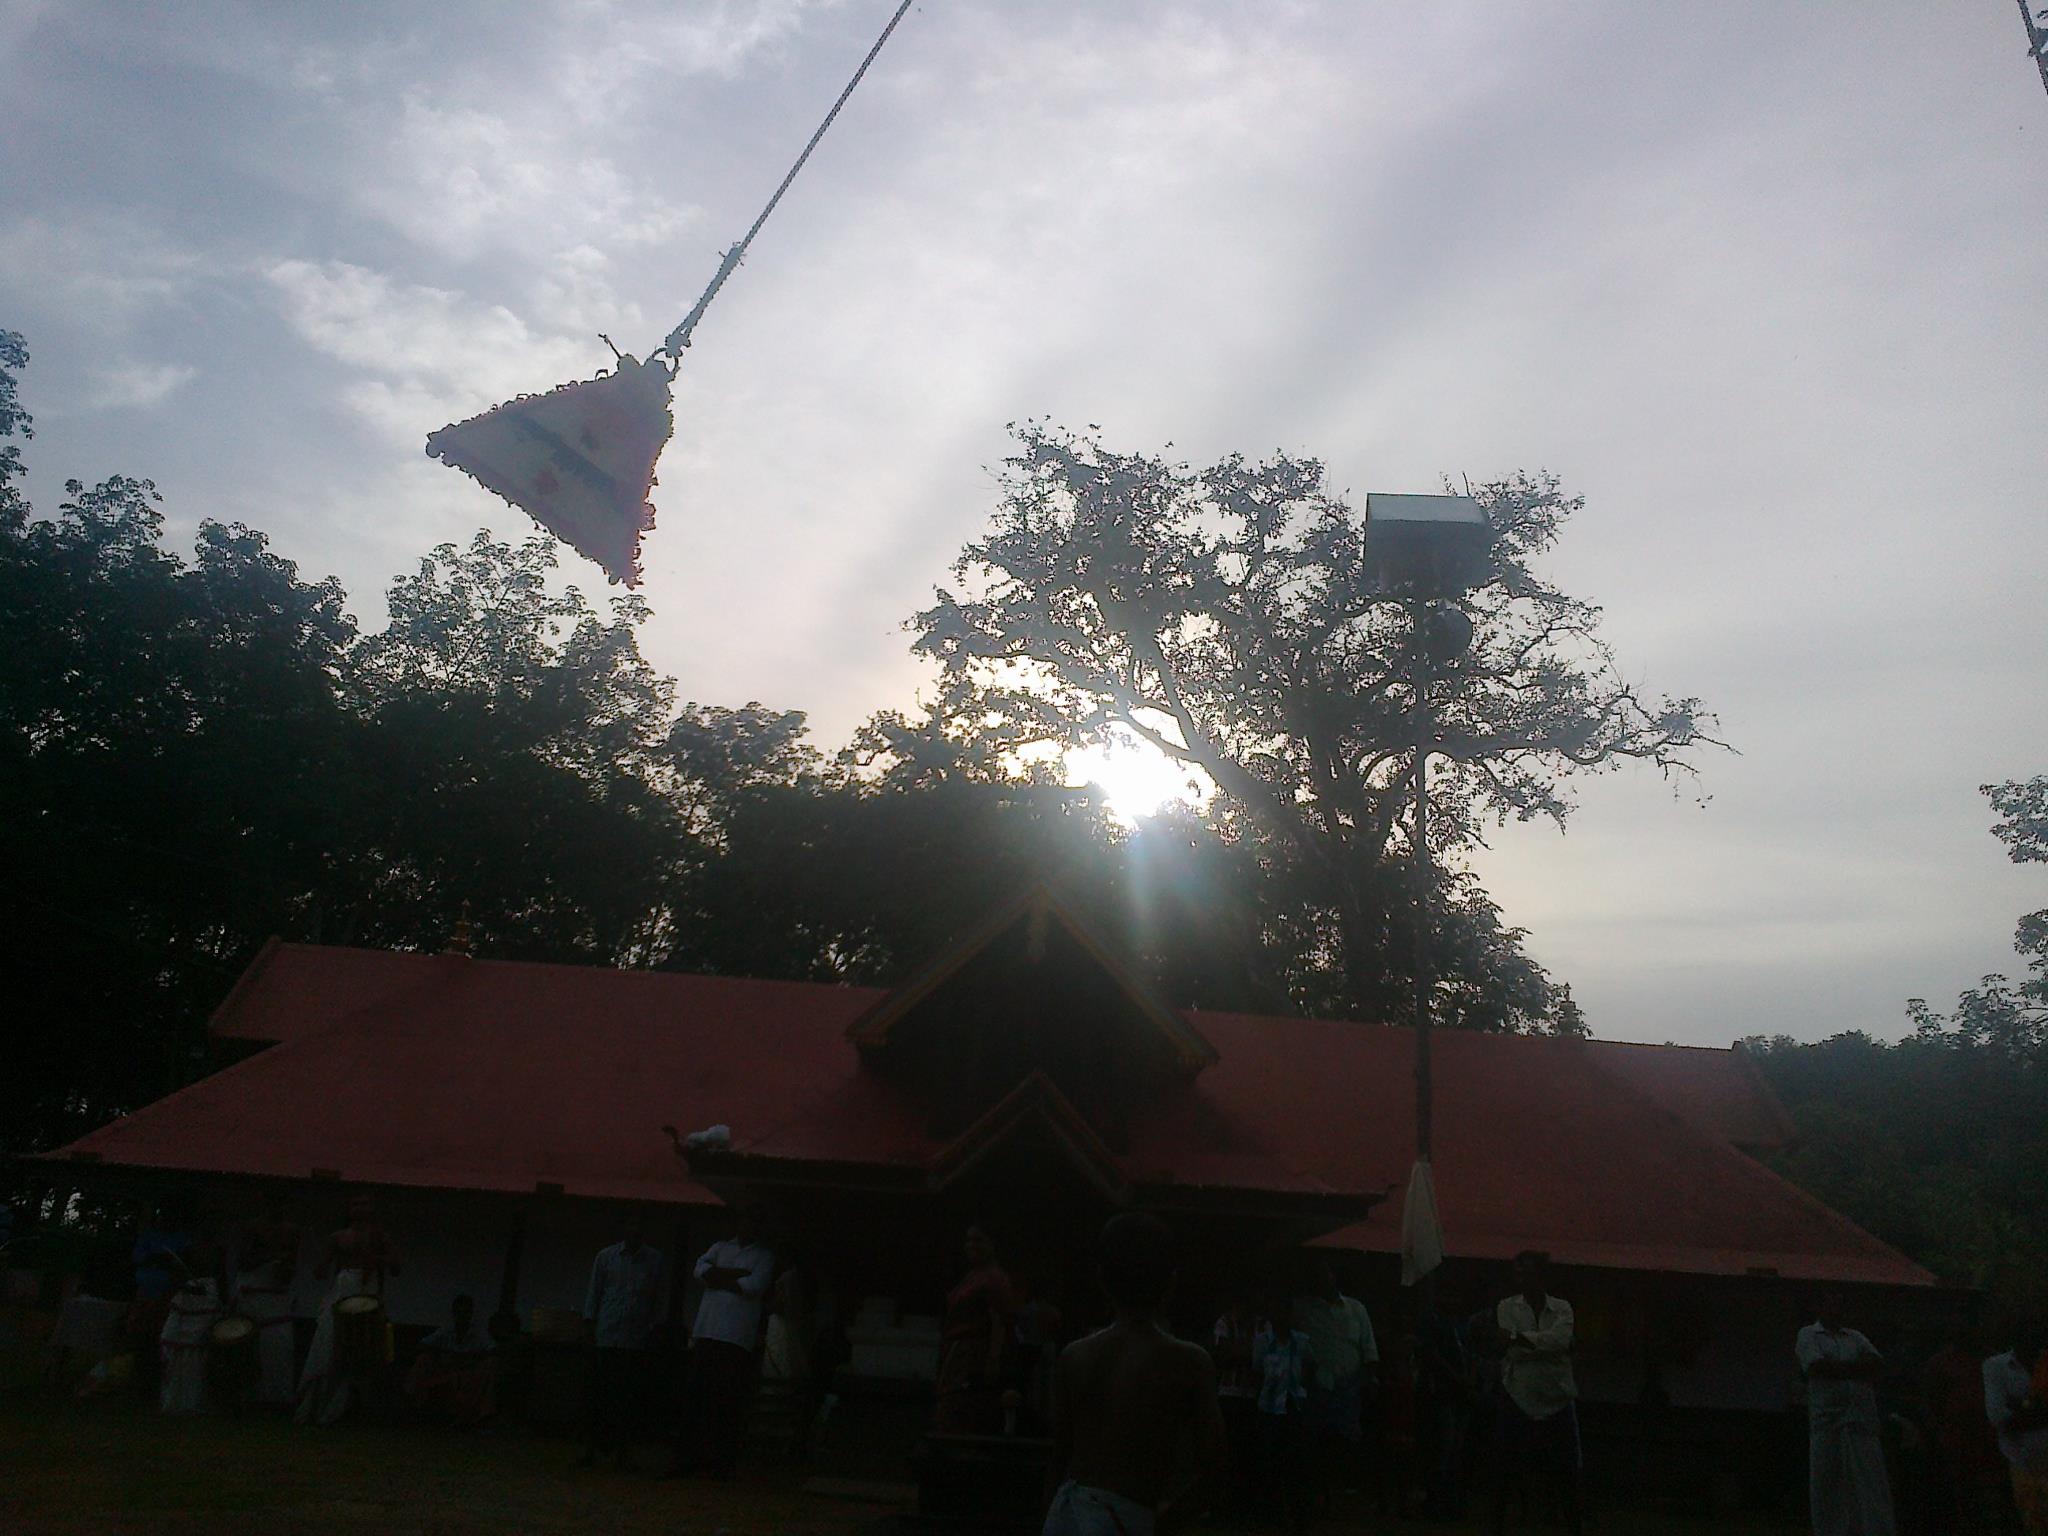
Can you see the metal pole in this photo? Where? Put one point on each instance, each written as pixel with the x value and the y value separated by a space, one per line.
pixel 1423 1088
pixel 2037 39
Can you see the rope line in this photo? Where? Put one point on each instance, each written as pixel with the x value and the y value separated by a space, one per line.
pixel 679 338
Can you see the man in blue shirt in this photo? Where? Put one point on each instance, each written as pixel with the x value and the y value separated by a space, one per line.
pixel 622 1307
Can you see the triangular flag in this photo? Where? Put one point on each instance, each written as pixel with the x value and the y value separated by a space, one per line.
pixel 578 460
pixel 1422 1236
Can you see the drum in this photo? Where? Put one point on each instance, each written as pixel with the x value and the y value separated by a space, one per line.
pixel 231 1357
pixel 359 1331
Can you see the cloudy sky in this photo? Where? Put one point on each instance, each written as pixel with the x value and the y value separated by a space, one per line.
pixel 1768 283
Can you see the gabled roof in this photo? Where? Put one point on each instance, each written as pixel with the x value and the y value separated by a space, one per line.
pixel 1036 1102
pixel 440 1071
pixel 1038 907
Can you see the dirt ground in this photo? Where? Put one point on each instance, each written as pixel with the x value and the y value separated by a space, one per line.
pixel 109 1469
pixel 115 1468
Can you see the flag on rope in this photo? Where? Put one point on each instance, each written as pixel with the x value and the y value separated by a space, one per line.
pixel 579 460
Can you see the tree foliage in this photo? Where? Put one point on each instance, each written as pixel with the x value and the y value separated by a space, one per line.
pixel 199 749
pixel 1231 618
pixel 1939 1143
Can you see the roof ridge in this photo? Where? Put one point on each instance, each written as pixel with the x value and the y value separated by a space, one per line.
pixel 235 993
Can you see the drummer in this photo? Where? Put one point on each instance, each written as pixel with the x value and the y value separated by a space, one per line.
pixel 267 1265
pixel 359 1257
pixel 188 1329
pixel 455 1376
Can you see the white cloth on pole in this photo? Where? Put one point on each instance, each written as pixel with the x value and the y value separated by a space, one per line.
pixel 1422 1235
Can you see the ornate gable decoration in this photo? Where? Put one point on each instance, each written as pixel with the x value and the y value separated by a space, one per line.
pixel 1053 936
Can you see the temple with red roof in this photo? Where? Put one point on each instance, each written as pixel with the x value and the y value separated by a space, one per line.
pixel 1027 1079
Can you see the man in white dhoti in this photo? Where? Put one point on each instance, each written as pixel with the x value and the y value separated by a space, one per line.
pixel 265 1269
pixel 337 1370
pixel 1850 1493
pixel 1537 1420
pixel 188 1333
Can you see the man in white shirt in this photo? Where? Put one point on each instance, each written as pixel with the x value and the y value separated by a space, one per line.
pixel 735 1275
pixel 2020 1416
pixel 1846 1481
pixel 621 1306
pixel 1539 1417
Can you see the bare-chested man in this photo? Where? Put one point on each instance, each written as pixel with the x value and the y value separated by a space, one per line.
pixel 1127 1402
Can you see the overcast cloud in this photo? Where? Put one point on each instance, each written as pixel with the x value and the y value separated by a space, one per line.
pixel 1764 282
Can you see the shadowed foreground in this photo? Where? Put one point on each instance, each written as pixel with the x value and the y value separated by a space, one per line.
pixel 113 1468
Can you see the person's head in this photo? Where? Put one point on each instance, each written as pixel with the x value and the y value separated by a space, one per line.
pixel 979 1249
pixel 1136 1261
pixel 1280 1313
pixel 463 1310
pixel 1961 1331
pixel 1532 1272
pixel 1322 1280
pixel 636 1229
pixel 747 1224
pixel 2029 1338
pixel 1832 1305
pixel 1439 1301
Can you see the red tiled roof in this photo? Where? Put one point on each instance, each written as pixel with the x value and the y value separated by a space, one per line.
pixel 1722 1091
pixel 434 1070
pixel 439 1071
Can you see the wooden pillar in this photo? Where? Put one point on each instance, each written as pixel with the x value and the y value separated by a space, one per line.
pixel 515 1255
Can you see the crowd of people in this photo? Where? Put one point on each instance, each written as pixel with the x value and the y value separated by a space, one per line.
pixel 1984 1430
pixel 1302 1397
pixel 210 1325
pixel 1313 1404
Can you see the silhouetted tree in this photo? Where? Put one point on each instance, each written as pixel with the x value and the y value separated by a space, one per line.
pixel 1230 618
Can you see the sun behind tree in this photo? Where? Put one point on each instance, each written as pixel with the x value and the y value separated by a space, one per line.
pixel 1229 618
